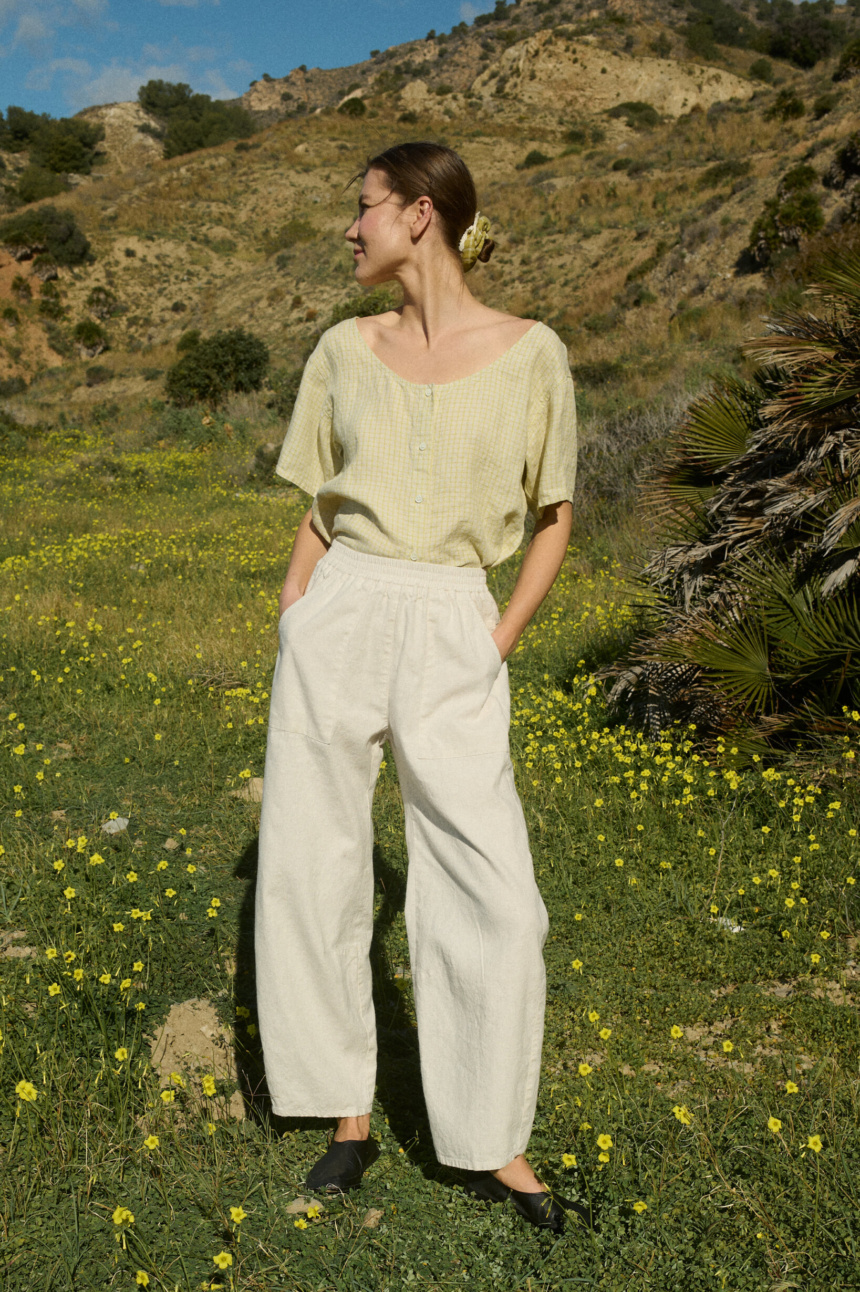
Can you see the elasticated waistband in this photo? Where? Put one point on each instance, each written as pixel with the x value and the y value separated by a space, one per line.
pixel 406 573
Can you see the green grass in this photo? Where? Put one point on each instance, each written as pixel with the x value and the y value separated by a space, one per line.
pixel 139 599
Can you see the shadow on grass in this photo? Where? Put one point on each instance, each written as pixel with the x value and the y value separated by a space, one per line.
pixel 398 1092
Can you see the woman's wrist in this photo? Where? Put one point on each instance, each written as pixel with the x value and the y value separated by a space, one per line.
pixel 505 638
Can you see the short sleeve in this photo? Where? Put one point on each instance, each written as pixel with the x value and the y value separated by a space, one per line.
pixel 550 470
pixel 308 454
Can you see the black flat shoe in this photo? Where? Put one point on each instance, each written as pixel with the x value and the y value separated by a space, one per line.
pixel 544 1210
pixel 342 1165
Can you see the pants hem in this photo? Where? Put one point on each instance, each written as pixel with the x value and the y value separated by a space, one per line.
pixel 479 1163
pixel 285 1110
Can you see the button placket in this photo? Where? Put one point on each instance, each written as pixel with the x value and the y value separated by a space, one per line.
pixel 421 464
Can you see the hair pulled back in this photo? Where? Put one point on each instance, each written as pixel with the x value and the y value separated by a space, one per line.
pixel 426 169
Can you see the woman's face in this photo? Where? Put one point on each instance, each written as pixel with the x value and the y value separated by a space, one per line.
pixel 379 235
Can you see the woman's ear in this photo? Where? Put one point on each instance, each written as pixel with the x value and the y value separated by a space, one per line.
pixel 422 215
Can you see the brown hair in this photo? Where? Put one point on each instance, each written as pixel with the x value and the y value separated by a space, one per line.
pixel 416 169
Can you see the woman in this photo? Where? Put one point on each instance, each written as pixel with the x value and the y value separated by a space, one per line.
pixel 423 435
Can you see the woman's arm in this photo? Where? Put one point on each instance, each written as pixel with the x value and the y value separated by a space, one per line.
pixel 541 564
pixel 308 546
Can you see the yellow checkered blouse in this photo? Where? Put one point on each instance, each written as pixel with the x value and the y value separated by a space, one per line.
pixel 441 472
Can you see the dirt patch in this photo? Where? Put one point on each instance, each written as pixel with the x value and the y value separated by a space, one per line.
pixel 543 71
pixel 12 946
pixel 193 1040
pixel 126 144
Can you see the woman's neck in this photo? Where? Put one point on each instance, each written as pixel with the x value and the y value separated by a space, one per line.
pixel 436 301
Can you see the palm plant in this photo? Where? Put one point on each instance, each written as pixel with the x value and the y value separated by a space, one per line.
pixel 751 607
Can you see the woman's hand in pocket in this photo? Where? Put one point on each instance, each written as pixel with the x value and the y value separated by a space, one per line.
pixel 503 640
pixel 289 596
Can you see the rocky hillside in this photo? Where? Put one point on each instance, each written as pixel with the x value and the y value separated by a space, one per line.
pixel 622 176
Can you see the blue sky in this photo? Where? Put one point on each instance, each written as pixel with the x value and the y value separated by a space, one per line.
pixel 59 56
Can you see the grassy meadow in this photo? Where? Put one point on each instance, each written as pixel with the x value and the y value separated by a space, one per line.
pixel 700 1077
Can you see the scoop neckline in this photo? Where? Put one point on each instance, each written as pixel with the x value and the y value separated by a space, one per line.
pixel 456 381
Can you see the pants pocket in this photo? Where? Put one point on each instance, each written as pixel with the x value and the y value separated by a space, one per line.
pixel 309 676
pixel 465 704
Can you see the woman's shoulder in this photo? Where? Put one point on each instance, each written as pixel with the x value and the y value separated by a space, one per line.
pixel 550 357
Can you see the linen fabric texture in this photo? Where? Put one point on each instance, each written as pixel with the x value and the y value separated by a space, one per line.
pixel 380 649
pixel 440 472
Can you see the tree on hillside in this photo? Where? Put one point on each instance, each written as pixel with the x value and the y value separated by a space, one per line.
pixel 189 121
pixel 753 603
pixel 215 366
pixel 46 232
pixel 65 145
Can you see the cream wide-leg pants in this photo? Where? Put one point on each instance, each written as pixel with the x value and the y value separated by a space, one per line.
pixel 401 651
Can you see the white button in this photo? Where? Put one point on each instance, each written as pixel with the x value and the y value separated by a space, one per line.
pixel 429 391
pixel 421 448
pixel 419 497
pixel 414 556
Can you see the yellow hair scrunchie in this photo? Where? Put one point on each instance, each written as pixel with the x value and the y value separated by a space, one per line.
pixel 476 243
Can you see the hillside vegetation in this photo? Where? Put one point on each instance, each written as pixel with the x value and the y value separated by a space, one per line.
pixel 623 172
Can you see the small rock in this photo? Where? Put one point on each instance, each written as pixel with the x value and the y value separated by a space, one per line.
pixel 59 814
pixel 372 1217
pixel 300 1206
pixel 251 792
pixel 116 826
pixel 170 844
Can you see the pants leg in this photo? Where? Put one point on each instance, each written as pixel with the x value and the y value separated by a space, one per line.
pixel 475 918
pixel 314 897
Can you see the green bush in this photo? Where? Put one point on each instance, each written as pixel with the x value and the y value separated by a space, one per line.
pixel 190 121
pixel 353 108
pixel 21 289
pixel 362 305
pixel 97 375
pixel 534 158
pixel 284 384
pixel 36 183
pixel 638 115
pixel 823 104
pixel 723 172
pixel 10 315
pixel 716 22
pixel 50 305
pixel 90 335
pixel 793 213
pixel 762 70
pixel 47 229
pixel 12 386
pixel 102 302
pixel 787 106
pixel 188 340
pixel 66 145
pixel 849 62
pixel 845 165
pixel 801 34
pixel 216 366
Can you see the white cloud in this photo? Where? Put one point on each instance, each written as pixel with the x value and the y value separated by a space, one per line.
pixel 31 31
pixel 469 11
pixel 41 77
pixel 36 22
pixel 120 82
